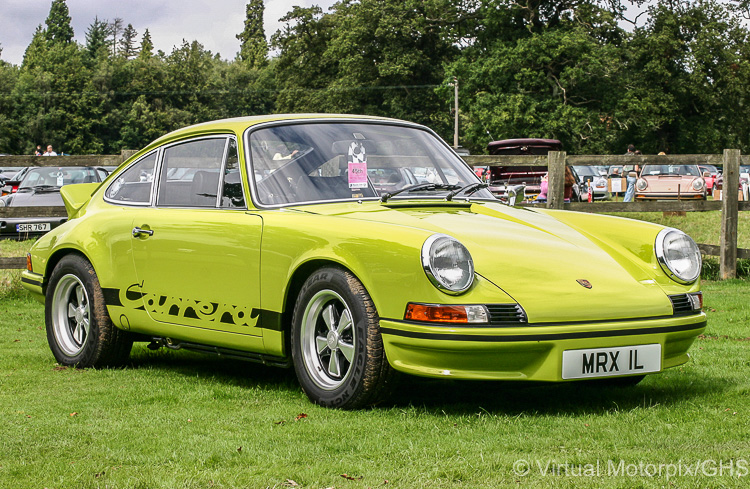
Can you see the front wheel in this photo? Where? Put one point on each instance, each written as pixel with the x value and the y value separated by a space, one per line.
pixel 336 343
pixel 79 330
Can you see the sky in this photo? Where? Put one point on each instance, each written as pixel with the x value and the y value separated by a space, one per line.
pixel 213 23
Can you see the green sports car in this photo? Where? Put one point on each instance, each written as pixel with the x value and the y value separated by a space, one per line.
pixel 352 248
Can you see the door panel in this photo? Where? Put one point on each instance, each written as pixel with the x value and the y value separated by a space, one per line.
pixel 199 268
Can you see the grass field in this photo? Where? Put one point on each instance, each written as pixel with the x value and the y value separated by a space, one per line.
pixel 182 420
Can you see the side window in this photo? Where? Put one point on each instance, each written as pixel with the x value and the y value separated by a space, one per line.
pixel 190 173
pixel 134 184
pixel 231 190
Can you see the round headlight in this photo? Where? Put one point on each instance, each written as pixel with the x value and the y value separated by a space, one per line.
pixel 698 184
pixel 641 184
pixel 447 263
pixel 678 255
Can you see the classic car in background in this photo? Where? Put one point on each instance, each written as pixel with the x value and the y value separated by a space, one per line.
pixel 670 182
pixel 709 173
pixel 502 178
pixel 589 177
pixel 304 260
pixel 10 185
pixel 40 187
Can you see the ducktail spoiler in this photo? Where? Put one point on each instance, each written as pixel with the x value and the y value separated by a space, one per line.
pixel 75 196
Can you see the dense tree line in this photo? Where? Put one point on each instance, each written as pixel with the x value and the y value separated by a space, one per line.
pixel 526 68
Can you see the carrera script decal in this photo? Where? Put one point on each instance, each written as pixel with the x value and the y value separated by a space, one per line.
pixel 177 307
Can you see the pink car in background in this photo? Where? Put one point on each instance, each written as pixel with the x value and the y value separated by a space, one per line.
pixel 670 182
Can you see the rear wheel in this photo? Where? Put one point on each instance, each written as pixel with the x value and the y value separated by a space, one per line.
pixel 79 330
pixel 336 343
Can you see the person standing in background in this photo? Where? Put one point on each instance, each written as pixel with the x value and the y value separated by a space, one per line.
pixel 631 174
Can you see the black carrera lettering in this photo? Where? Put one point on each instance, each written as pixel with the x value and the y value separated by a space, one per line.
pixel 177 307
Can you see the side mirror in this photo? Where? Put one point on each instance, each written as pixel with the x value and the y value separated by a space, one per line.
pixel 514 192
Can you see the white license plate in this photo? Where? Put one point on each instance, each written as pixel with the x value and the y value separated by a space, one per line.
pixel 609 362
pixel 33 227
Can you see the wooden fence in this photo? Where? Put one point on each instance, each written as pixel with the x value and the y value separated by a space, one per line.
pixel 555 162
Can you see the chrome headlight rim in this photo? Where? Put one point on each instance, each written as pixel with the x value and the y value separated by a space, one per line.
pixel 661 255
pixel 435 279
pixel 699 184
pixel 641 184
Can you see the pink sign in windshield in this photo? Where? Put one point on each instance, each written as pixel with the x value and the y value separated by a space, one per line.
pixel 357 160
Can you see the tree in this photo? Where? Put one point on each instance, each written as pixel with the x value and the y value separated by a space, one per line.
pixel 127 43
pixel 115 27
pixel 254 48
pixel 59 30
pixel 97 39
pixel 147 46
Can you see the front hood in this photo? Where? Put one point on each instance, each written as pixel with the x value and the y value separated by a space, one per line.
pixel 535 258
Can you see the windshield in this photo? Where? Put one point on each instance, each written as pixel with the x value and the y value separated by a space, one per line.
pixel 586 171
pixel 57 177
pixel 680 170
pixel 314 162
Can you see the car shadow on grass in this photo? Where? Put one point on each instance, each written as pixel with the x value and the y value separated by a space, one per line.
pixel 225 371
pixel 531 398
pixel 458 397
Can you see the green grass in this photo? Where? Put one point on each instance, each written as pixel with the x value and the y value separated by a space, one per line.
pixel 182 420
pixel 703 227
pixel 10 280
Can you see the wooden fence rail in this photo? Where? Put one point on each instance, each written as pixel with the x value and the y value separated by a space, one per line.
pixel 554 161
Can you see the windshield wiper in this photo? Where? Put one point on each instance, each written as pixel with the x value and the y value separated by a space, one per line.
pixel 469 189
pixel 419 186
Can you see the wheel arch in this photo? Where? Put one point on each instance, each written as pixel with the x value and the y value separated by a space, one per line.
pixel 298 277
pixel 55 258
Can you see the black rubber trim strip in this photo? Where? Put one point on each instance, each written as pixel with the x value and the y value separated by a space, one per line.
pixel 32 281
pixel 541 325
pixel 542 337
pixel 111 296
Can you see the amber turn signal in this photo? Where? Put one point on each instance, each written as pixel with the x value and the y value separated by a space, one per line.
pixel 437 313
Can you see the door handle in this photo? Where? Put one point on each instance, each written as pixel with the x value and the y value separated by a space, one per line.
pixel 138 231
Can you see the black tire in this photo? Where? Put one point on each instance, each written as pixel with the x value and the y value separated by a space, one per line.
pixel 344 365
pixel 79 330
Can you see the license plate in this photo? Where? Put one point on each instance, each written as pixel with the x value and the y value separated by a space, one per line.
pixel 32 227
pixel 609 362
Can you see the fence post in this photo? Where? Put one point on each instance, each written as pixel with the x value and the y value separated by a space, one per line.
pixel 556 182
pixel 729 214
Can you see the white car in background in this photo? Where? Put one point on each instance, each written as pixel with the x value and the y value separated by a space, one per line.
pixel 590 175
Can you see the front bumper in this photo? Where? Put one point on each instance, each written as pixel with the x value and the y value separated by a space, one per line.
pixel 669 196
pixel 530 352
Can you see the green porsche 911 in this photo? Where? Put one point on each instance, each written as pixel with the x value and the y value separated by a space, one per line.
pixel 352 248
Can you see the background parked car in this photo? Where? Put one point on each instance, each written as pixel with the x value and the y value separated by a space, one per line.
pixel 10 186
pixel 590 176
pixel 503 177
pixel 670 182
pixel 709 173
pixel 40 187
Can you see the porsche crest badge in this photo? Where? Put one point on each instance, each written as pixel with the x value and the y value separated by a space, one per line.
pixel 584 283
